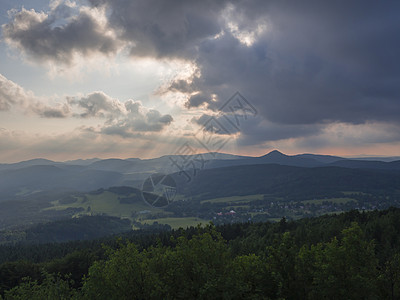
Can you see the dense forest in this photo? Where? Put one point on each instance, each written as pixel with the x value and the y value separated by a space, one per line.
pixel 354 255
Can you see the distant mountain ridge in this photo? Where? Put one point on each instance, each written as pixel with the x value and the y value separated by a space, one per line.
pixel 26 177
pixel 275 156
pixel 321 158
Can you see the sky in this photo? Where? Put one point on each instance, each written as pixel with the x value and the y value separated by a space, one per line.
pixel 145 78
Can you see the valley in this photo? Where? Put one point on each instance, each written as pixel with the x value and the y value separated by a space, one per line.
pixel 226 191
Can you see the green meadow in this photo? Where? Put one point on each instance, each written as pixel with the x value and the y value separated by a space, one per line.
pixel 106 203
pixel 176 222
pixel 332 200
pixel 234 199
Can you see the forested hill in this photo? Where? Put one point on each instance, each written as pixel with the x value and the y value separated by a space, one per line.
pixel 354 255
pixel 297 183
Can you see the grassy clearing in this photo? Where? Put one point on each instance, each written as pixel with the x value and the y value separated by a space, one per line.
pixel 274 219
pixel 332 200
pixel 23 191
pixel 239 206
pixel 334 212
pixel 105 203
pixel 258 213
pixel 234 199
pixel 354 192
pixel 177 222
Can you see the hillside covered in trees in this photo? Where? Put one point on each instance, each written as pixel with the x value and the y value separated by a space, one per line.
pixel 354 255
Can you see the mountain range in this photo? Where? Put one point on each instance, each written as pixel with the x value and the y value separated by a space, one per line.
pixel 42 190
pixel 27 177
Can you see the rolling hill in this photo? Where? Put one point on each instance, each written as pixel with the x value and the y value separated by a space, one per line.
pixel 285 181
pixel 42 190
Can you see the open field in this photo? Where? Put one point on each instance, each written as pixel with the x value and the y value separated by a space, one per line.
pixel 354 192
pixel 234 199
pixel 105 203
pixel 176 222
pixel 333 200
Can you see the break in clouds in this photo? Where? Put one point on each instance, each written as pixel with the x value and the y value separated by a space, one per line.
pixel 120 118
pixel 307 66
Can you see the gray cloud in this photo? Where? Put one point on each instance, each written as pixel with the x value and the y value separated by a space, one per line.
pixel 121 118
pixel 58 34
pixel 361 136
pixel 98 104
pixel 138 120
pixel 198 99
pixel 10 94
pixel 294 88
pixel 44 111
pixel 316 63
pixel 254 130
pixel 181 86
pixel 164 29
pixel 13 95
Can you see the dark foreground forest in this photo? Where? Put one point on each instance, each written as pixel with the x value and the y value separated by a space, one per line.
pixel 355 255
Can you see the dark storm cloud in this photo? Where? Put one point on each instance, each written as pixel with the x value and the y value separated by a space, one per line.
pixel 321 62
pixel 255 130
pixel 161 28
pixel 58 34
pixel 198 99
pixel 317 62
